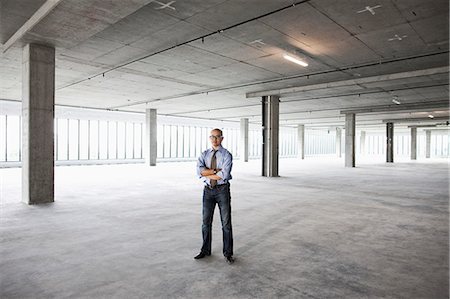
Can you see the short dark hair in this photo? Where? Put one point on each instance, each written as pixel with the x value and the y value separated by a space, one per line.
pixel 216 129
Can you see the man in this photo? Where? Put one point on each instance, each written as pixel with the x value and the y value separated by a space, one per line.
pixel 214 168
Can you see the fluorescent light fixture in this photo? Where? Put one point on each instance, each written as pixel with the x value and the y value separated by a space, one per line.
pixel 295 60
pixel 396 101
pixel 430 116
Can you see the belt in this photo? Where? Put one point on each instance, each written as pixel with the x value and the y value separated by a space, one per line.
pixel 216 186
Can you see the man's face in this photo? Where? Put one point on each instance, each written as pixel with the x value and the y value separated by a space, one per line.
pixel 215 138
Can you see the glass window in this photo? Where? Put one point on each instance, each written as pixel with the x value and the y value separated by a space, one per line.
pixel 112 140
pixel 84 140
pixel 73 139
pixel 13 137
pixel 129 140
pixel 186 145
pixel 121 144
pixel 167 145
pixel 103 139
pixel 137 140
pixel 180 150
pixel 192 143
pixel 62 139
pixel 173 141
pixel 160 138
pixel 93 140
pixel 3 138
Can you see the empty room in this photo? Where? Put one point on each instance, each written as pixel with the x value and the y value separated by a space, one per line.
pixel 224 149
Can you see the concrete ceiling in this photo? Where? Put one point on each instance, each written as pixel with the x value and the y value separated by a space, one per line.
pixel 211 59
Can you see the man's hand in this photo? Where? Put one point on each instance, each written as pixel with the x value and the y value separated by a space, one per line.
pixel 213 177
pixel 209 172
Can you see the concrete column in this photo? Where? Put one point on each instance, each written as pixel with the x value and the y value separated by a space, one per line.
pixel 270 124
pixel 389 142
pixel 362 142
pixel 301 142
pixel 428 144
pixel 413 143
pixel 338 142
pixel 350 125
pixel 38 112
pixel 151 130
pixel 244 140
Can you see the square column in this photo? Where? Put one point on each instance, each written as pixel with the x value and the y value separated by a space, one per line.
pixel 151 129
pixel 413 143
pixel 338 142
pixel 38 113
pixel 301 141
pixel 350 125
pixel 389 142
pixel 362 142
pixel 270 125
pixel 427 143
pixel 244 140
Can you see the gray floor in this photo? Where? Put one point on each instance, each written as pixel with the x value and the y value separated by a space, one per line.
pixel 319 231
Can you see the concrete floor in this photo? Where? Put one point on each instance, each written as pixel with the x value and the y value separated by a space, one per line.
pixel 319 231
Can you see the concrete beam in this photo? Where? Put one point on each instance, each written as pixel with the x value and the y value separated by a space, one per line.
pixel 301 141
pixel 151 131
pixel 390 142
pixel 271 125
pixel 427 143
pixel 244 140
pixel 350 126
pixel 393 108
pixel 403 75
pixel 413 143
pixel 338 142
pixel 41 13
pixel 415 120
pixel 38 112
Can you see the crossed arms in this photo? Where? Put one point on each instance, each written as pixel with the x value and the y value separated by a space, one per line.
pixel 211 174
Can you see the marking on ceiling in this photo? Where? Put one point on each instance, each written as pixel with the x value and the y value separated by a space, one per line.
pixel 397 37
pixel 165 5
pixel 257 41
pixel 369 9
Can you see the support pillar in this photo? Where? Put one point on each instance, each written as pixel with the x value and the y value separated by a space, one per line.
pixel 428 143
pixel 301 142
pixel 413 143
pixel 338 142
pixel 350 125
pixel 38 112
pixel 362 142
pixel 389 142
pixel 151 130
pixel 270 124
pixel 244 140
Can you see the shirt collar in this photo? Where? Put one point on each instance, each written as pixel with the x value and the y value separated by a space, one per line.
pixel 218 149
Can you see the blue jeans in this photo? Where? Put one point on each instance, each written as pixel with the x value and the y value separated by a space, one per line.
pixel 221 196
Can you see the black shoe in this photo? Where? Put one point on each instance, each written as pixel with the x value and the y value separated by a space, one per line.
pixel 229 260
pixel 201 255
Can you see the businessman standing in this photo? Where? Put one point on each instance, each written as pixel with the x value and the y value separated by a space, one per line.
pixel 214 168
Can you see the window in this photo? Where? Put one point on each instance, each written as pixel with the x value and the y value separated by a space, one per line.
pixel 84 140
pixel 73 139
pixel 3 138
pixel 137 140
pixel 93 140
pixel 112 140
pixel 63 141
pixel 121 137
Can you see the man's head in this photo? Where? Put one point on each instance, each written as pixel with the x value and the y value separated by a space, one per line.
pixel 216 137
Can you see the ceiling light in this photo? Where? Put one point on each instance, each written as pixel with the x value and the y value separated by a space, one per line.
pixel 430 116
pixel 396 101
pixel 295 60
